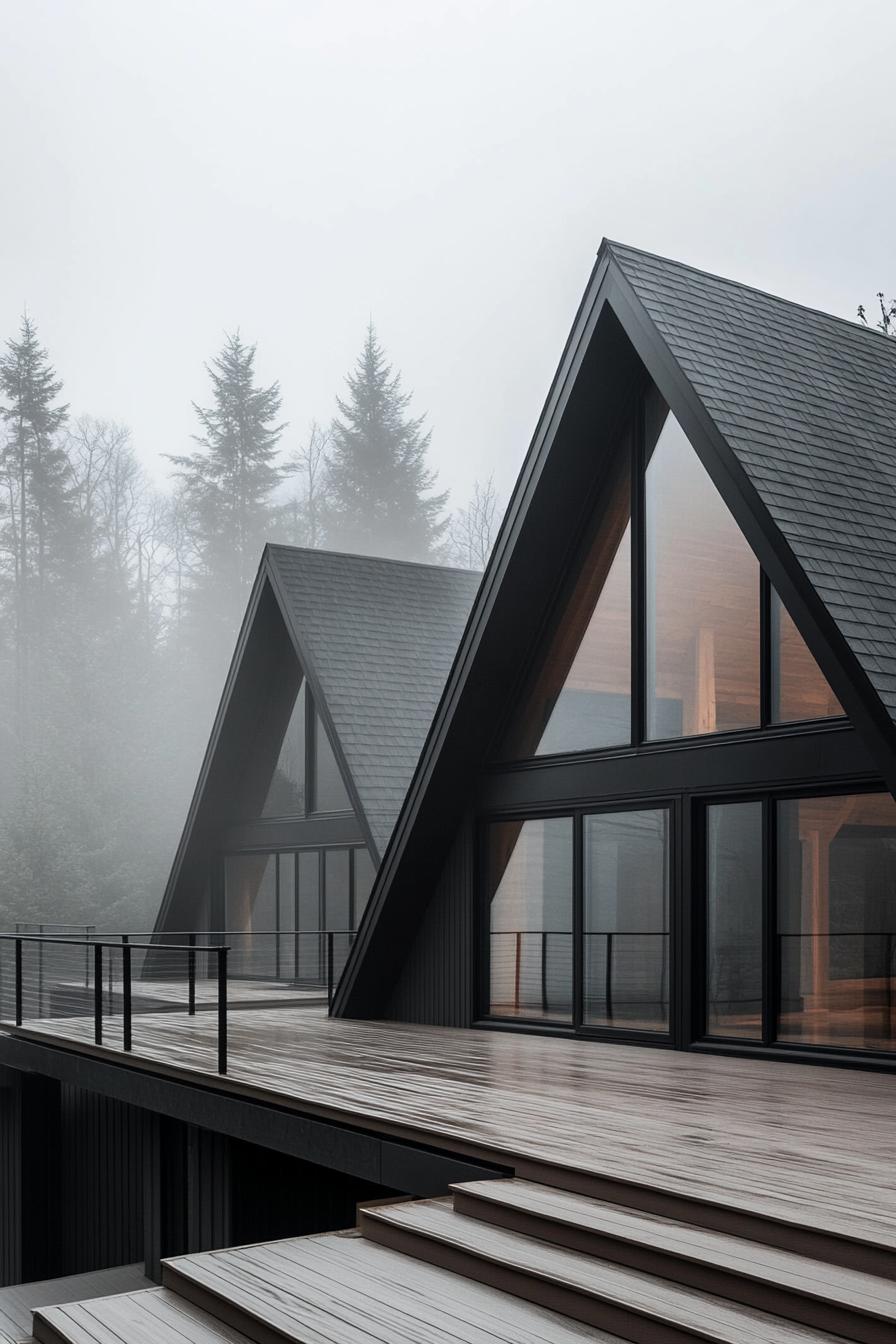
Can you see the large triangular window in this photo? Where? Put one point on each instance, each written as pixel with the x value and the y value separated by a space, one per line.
pixel 702 599
pixel 286 791
pixel 306 777
pixel 580 697
pixel 719 652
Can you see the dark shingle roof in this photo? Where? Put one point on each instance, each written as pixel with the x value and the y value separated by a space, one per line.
pixel 381 635
pixel 807 403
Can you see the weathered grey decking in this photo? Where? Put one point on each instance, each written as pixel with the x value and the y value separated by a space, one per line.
pixel 800 1144
pixel 17 1304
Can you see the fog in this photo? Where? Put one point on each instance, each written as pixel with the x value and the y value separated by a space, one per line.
pixel 174 172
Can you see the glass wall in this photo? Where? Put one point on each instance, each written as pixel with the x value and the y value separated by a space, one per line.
pixel 837 921
pixel 530 866
pixel 278 907
pixel 799 687
pixel 286 792
pixel 626 920
pixel 702 580
pixel 580 698
pixel 734 920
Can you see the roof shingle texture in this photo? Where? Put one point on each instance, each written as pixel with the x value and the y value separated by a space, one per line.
pixel 381 636
pixel 807 403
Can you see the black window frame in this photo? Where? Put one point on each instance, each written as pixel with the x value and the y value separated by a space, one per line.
pixel 482 965
pixel 635 416
pixel 771 970
pixel 313 726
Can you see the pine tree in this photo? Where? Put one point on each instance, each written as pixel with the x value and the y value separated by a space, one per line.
pixel 41 529
pixel 378 481
pixel 228 486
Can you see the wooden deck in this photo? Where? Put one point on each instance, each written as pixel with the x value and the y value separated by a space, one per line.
pixel 801 1145
pixel 17 1304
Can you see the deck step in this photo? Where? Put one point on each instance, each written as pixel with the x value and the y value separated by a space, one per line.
pixel 635 1305
pixel 152 1316
pixel 340 1288
pixel 854 1241
pixel 858 1306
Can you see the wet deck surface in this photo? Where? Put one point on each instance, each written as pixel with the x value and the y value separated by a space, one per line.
pixel 803 1143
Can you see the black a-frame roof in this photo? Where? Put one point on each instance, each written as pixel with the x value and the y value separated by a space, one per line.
pixel 793 414
pixel 375 639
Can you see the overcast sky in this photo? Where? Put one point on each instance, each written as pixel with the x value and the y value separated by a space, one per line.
pixel 170 171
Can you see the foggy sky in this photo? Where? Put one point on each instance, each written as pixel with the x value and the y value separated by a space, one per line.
pixel 170 170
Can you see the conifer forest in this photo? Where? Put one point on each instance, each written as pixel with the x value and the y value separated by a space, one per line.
pixel 120 600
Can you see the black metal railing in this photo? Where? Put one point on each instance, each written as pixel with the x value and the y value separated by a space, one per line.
pixel 100 996
pixel 536 967
pixel 117 977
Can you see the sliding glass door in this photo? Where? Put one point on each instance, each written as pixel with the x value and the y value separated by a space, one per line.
pixel 800 921
pixel 578 913
pixel 626 920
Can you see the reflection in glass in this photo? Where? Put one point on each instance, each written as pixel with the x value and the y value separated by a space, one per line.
pixel 336 890
pixel 364 875
pixel 530 911
pixel 286 791
pixel 734 920
pixel 580 698
pixel 837 921
pixel 311 951
pixel 329 790
pixel 626 928
pixel 702 600
pixel 799 687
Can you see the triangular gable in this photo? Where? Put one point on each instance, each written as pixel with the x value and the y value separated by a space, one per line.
pixel 636 313
pixel 373 639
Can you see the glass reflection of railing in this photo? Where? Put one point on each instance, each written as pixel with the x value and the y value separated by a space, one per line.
pixel 538 965
pixel 645 988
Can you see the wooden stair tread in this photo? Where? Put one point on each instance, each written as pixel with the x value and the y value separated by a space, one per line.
pixel 152 1316
pixel 660 1300
pixel 849 1288
pixel 338 1288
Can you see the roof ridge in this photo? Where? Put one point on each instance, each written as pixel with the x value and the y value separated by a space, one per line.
pixel 379 559
pixel 852 323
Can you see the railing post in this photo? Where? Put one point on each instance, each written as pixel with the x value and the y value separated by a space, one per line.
pixel 40 976
pixel 516 969
pixel 18 982
pixel 544 971
pixel 608 980
pixel 330 966
pixel 191 974
pixel 98 993
pixel 222 1009
pixel 126 989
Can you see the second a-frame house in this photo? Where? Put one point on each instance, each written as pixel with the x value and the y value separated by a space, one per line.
pixel 656 803
pixel 337 673
pixel 633 790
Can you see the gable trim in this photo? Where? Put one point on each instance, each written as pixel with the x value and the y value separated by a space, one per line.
pixel 266 578
pixel 609 287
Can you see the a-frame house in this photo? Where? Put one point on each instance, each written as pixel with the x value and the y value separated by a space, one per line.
pixel 633 789
pixel 336 675
pixel 656 802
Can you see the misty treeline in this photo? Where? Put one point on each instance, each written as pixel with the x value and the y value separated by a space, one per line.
pixel 120 601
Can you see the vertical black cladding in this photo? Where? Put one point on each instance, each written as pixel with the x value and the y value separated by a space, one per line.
pixel 10 1180
pixel 436 982
pixel 100 1187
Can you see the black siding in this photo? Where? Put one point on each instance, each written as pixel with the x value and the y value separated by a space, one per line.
pixel 435 984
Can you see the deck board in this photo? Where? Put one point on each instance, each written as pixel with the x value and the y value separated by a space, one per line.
pixel 341 1289
pixel 17 1304
pixel 802 1144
